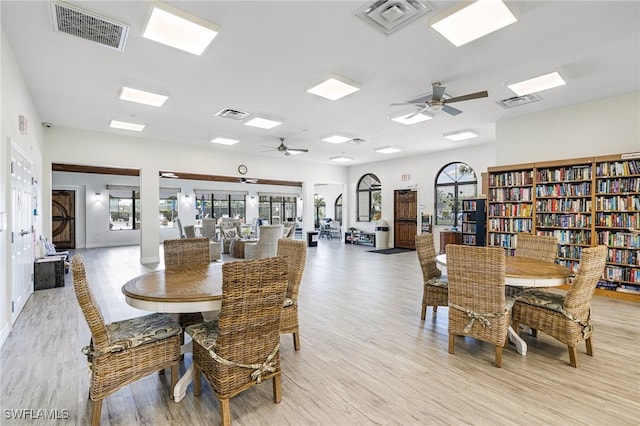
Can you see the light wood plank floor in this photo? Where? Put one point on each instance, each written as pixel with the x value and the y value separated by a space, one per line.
pixel 366 358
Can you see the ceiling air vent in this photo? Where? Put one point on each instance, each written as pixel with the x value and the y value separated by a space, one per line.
pixel 388 16
pixel 519 100
pixel 233 114
pixel 81 23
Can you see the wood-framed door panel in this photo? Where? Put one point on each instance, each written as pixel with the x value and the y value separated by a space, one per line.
pixel 405 218
pixel 63 222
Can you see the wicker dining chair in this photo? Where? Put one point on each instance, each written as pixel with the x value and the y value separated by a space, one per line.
pixel 565 316
pixel 435 292
pixel 186 251
pixel 123 352
pixel 539 247
pixel 478 306
pixel 295 252
pixel 241 348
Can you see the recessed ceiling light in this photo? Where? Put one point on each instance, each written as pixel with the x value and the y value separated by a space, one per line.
pixel 262 123
pixel 225 141
pixel 169 175
pixel 537 84
pixel 412 118
pixel 334 88
pixel 337 139
pixel 295 152
pixel 115 124
pixel 467 22
pixel 142 97
pixel 175 28
pixel 341 159
pixel 461 135
pixel 387 150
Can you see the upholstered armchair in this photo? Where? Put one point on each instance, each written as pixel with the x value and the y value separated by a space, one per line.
pixel 229 231
pixel 267 245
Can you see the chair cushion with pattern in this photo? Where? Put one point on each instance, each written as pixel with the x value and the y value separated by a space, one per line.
pixel 438 282
pixel 205 333
pixel 542 299
pixel 134 332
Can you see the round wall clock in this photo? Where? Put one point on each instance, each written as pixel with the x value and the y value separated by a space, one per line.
pixel 242 169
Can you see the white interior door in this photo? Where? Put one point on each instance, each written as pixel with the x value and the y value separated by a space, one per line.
pixel 21 231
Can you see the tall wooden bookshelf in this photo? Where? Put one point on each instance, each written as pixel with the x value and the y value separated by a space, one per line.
pixel 474 221
pixel 617 218
pixel 510 197
pixel 564 206
pixel 583 202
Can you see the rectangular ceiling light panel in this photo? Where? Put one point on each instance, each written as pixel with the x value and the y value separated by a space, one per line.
pixel 175 28
pixel 142 97
pixel 334 88
pixel 461 135
pixel 341 159
pixel 412 118
pixel 537 84
pixel 337 139
pixel 123 125
pixel 387 150
pixel 463 24
pixel 225 141
pixel 262 123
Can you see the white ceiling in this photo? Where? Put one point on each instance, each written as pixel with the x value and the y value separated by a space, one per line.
pixel 268 53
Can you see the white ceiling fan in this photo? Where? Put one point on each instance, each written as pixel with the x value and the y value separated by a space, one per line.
pixel 286 150
pixel 439 101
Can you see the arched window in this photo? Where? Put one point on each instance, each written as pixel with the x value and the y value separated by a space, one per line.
pixel 454 182
pixel 338 208
pixel 369 198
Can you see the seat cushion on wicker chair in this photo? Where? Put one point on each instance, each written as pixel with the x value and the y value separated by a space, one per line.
pixel 134 332
pixel 438 282
pixel 205 333
pixel 288 302
pixel 509 301
pixel 542 299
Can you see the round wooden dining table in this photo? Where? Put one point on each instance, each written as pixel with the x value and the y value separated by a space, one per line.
pixel 525 272
pixel 181 289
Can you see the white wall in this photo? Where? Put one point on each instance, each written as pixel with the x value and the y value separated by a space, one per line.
pixel 605 126
pixel 422 171
pixel 15 101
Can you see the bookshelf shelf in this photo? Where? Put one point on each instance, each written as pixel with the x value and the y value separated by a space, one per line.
pixel 474 221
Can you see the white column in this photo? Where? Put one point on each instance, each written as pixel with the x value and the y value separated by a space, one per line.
pixel 150 229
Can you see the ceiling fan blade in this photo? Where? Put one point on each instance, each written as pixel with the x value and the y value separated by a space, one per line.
pixel 297 150
pixel 468 97
pixel 451 110
pixel 438 91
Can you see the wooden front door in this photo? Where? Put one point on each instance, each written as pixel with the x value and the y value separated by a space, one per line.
pixel 63 220
pixel 405 218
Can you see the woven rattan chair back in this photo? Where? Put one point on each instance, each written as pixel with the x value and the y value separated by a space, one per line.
pixel 431 295
pixel 209 228
pixel 88 304
pixel 476 287
pixel 186 251
pixel 295 253
pixel 426 251
pixel 577 301
pixel 539 247
pixel 190 231
pixel 253 292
